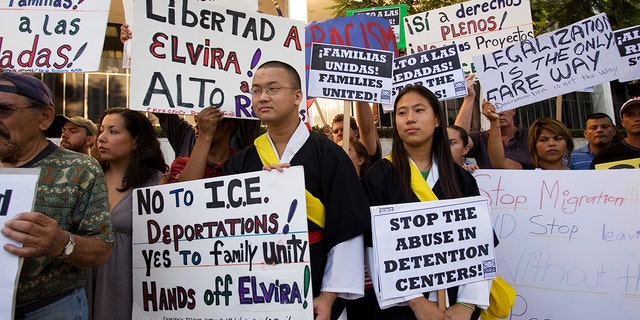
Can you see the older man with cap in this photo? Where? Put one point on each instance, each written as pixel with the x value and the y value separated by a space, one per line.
pixel 69 229
pixel 78 133
pixel 629 148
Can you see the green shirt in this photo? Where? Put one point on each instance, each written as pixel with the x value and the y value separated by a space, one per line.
pixel 72 190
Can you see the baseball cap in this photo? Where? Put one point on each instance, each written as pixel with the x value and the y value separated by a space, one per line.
pixel 631 102
pixel 79 121
pixel 27 86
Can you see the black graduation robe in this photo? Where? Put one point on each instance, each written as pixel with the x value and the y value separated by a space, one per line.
pixel 331 177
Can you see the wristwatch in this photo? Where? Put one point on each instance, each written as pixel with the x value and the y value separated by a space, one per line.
pixel 68 249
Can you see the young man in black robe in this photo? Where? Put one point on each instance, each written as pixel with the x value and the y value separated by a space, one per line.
pixel 337 207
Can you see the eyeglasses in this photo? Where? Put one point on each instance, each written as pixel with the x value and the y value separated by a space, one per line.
pixel 6 112
pixel 269 91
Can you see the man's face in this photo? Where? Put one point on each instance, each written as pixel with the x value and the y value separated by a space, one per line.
pixel 506 118
pixel 75 138
pixel 20 126
pixel 282 104
pixel 599 132
pixel 337 129
pixel 631 120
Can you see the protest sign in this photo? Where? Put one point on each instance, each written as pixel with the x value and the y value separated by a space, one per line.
pixel 395 14
pixel 628 42
pixel 477 27
pixel 438 69
pixel 233 247
pixel 569 240
pixel 188 55
pixel 52 36
pixel 360 31
pixel 350 73
pixel 17 193
pixel 572 58
pixel 427 246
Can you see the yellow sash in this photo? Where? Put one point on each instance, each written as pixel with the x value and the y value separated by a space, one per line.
pixel 315 208
pixel 419 186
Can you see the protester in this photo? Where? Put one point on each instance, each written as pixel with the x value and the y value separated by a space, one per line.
pixel 131 158
pixel 78 134
pixel 336 204
pixel 358 155
pixel 459 144
pixel 421 168
pixel 550 143
pixel 514 137
pixel 69 229
pixel 600 134
pixel 210 151
pixel 629 148
pixel 362 127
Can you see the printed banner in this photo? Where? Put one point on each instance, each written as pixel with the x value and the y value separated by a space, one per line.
pixel 52 36
pixel 350 73
pixel 360 31
pixel 234 247
pixel 628 42
pixel 477 27
pixel 566 60
pixel 189 55
pixel 569 240
pixel 432 245
pixel 438 69
pixel 17 193
pixel 394 13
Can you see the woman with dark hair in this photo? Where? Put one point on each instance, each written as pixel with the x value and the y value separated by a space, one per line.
pixel 421 168
pixel 550 143
pixel 459 144
pixel 131 158
pixel 359 156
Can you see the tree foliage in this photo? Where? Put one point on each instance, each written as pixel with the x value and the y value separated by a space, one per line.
pixel 547 15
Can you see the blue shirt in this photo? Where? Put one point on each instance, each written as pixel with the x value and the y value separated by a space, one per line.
pixel 581 158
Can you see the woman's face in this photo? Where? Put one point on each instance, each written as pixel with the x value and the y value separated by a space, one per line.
pixel 415 119
pixel 458 149
pixel 115 142
pixel 550 147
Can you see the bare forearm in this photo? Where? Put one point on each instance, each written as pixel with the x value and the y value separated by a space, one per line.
pixel 366 128
pixel 195 167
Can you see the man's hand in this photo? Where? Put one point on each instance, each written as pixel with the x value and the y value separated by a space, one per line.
pixel 425 309
pixel 322 305
pixel 279 167
pixel 470 82
pixel 489 111
pixel 207 121
pixel 125 33
pixel 39 235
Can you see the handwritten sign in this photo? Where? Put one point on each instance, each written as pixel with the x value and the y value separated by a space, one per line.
pixel 426 246
pixel 394 13
pixel 52 36
pixel 17 193
pixel 350 73
pixel 477 27
pixel 628 42
pixel 569 240
pixel 438 69
pixel 233 247
pixel 195 54
pixel 568 59
pixel 360 31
